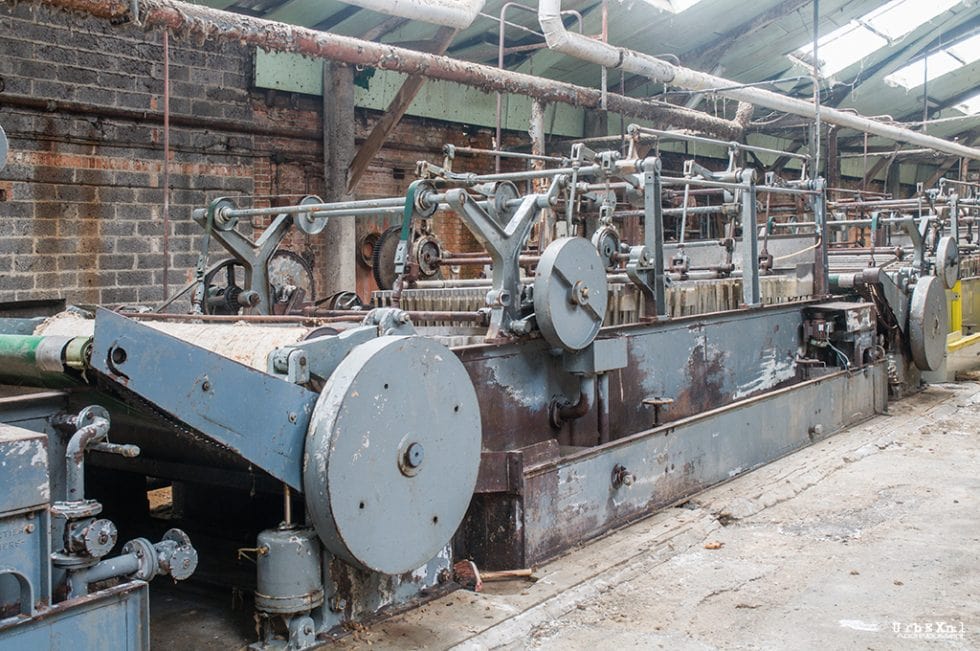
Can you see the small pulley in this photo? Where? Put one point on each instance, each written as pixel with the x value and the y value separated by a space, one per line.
pixel 606 242
pixel 427 252
pixel 305 221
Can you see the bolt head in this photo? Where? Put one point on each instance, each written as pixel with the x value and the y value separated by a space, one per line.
pixel 414 455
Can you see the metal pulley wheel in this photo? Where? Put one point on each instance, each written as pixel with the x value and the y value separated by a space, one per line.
pixel 606 242
pixel 289 271
pixel 392 454
pixel 225 283
pixel 383 258
pixel 427 251
pixel 928 323
pixel 570 293
pixel 424 252
pixel 948 261
pixel 305 221
pixel 503 193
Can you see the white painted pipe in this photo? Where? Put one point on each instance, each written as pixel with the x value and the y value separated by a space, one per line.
pixel 449 13
pixel 610 56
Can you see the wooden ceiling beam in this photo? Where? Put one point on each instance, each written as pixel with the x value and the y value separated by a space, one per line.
pixel 396 110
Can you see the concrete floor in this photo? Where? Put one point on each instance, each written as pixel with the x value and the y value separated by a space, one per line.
pixel 868 540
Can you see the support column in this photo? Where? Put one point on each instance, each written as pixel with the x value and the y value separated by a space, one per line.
pixel 833 175
pixel 751 291
pixel 339 237
pixel 536 131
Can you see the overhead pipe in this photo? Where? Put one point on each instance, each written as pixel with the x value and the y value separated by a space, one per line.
pixel 459 14
pixel 198 23
pixel 660 71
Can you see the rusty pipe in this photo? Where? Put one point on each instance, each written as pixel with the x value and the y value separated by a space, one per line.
pixel 563 411
pixel 459 14
pixel 660 71
pixel 500 64
pixel 196 22
pixel 80 441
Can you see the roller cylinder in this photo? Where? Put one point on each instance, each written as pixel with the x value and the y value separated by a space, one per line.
pixel 32 360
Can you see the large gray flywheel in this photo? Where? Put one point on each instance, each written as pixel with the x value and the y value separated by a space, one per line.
pixel 928 323
pixel 570 293
pixel 392 454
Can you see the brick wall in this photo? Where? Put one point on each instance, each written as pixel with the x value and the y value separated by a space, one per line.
pixel 81 198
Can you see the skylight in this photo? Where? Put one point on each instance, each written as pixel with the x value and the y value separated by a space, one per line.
pixel 673 6
pixel 682 5
pixel 969 106
pixel 857 39
pixel 936 64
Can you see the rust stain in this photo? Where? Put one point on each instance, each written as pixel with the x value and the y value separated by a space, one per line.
pixel 705 384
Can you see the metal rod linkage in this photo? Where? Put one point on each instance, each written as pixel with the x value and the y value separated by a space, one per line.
pixel 687 137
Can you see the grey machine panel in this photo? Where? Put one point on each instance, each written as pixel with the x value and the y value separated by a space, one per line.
pixel 268 423
pixel 115 618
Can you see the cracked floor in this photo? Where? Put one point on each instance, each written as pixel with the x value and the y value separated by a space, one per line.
pixel 867 540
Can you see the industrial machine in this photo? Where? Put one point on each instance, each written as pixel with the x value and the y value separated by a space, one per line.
pixel 591 379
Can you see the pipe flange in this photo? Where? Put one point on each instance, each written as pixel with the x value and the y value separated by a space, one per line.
pixel 146 554
pixel 554 412
pixel 88 416
pixel 76 510
pixel 73 562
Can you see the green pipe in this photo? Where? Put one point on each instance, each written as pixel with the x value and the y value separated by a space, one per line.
pixel 19 364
